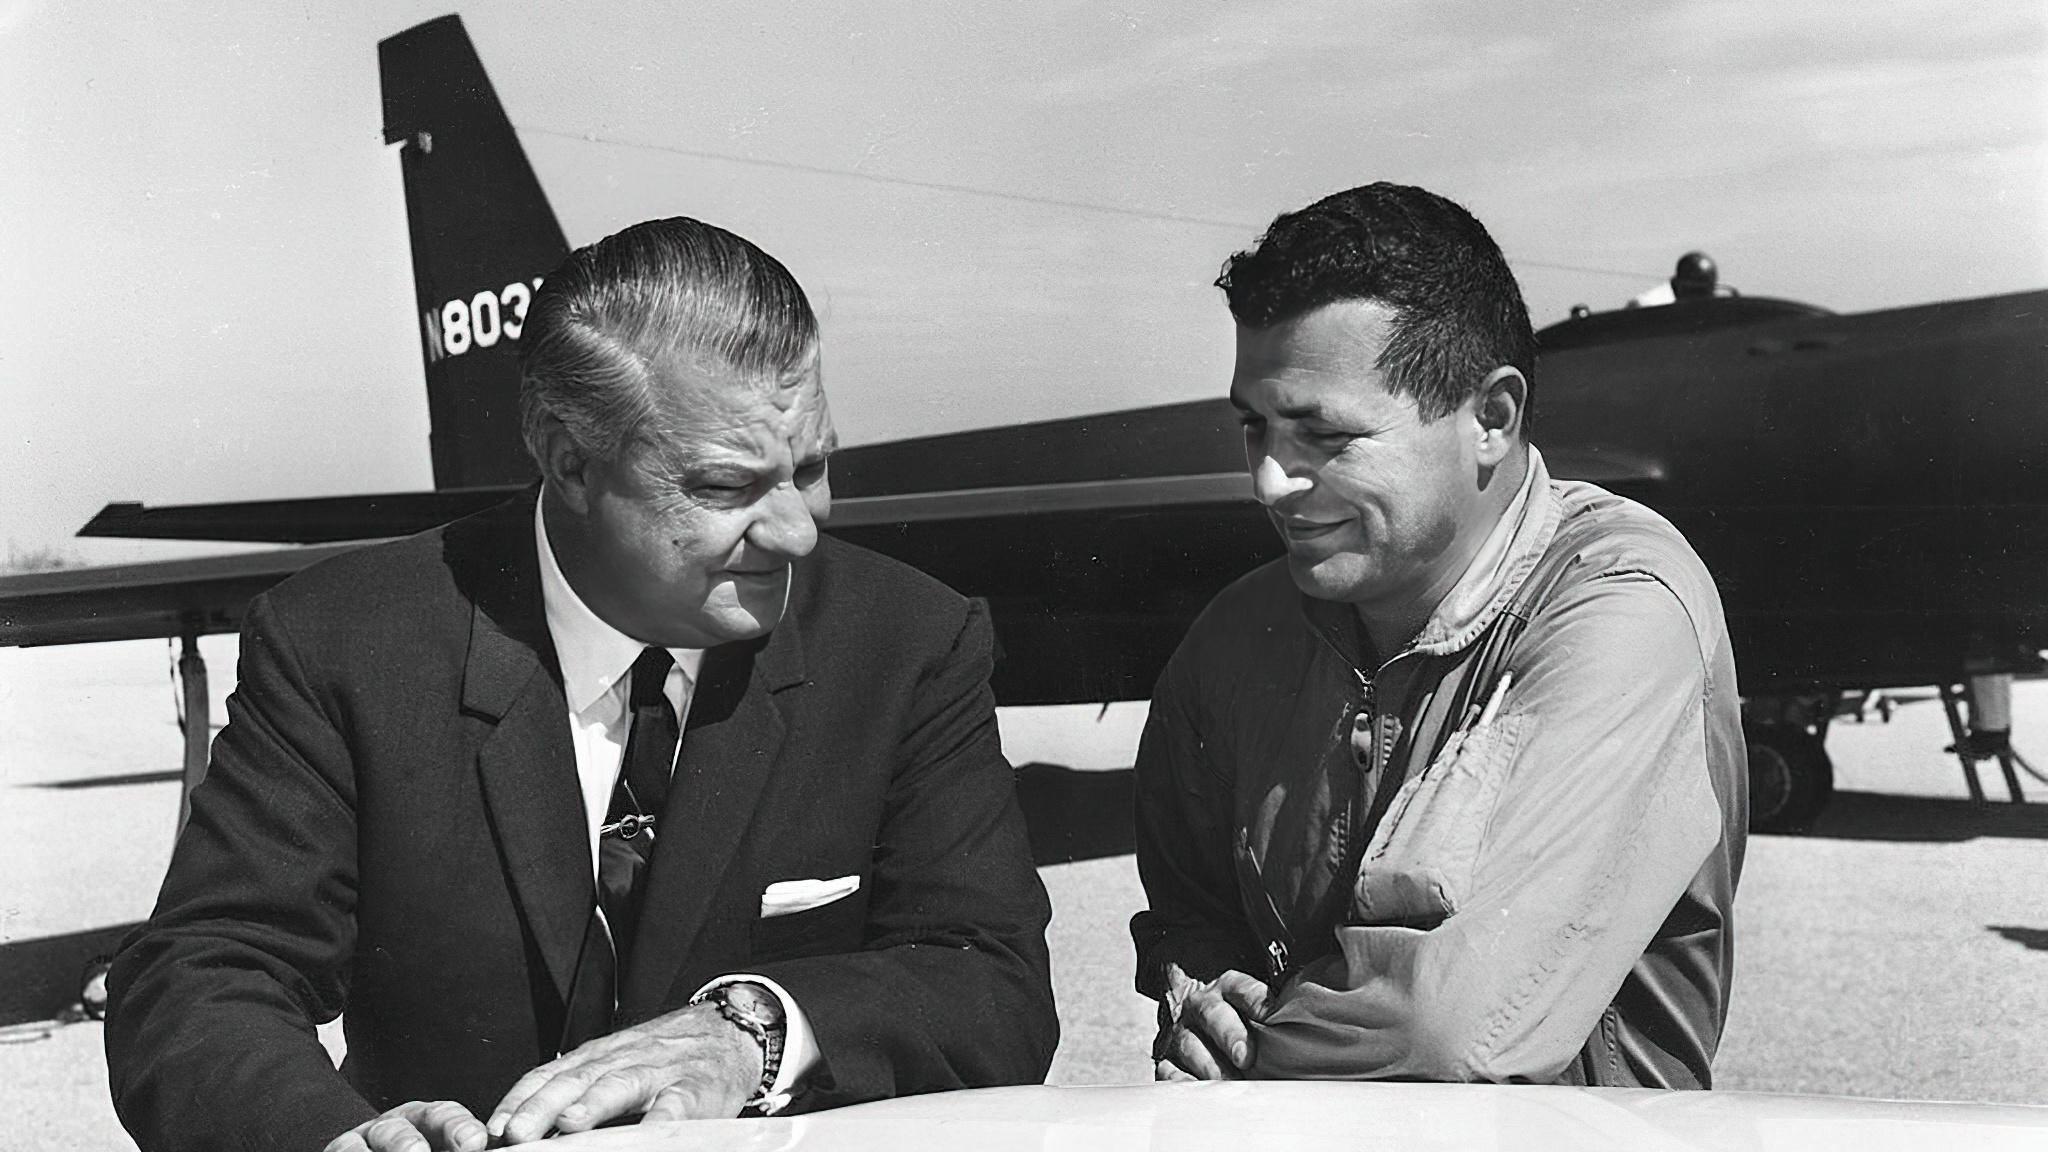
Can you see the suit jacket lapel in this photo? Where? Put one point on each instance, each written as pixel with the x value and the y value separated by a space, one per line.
pixel 730 745
pixel 526 762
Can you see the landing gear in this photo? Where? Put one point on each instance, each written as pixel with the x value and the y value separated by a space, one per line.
pixel 1988 735
pixel 92 987
pixel 1790 776
pixel 194 716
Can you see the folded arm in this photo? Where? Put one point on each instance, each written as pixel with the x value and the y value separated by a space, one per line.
pixel 1605 815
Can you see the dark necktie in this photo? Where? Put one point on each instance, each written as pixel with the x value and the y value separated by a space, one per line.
pixel 625 844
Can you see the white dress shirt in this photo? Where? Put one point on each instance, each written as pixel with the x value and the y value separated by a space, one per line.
pixel 597 665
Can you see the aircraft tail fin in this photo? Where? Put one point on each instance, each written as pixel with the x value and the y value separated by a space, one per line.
pixel 483 235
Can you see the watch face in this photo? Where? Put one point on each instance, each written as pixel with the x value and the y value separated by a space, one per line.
pixel 755 1002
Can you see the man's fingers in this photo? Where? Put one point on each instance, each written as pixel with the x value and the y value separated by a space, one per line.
pixel 536 1115
pixel 614 1094
pixel 1218 1022
pixel 448 1125
pixel 417 1126
pixel 521 1092
pixel 1203 1025
pixel 1167 1070
pixel 1248 994
pixel 389 1133
pixel 1192 1054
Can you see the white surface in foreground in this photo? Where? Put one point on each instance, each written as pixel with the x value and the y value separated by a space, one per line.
pixel 1246 1117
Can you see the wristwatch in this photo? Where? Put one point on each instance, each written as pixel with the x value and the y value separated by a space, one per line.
pixel 758 1012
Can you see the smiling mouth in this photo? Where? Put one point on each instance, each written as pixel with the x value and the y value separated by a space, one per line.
pixel 1310 529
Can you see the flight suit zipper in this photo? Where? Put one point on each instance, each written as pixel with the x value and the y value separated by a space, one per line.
pixel 1372 766
pixel 1365 711
pixel 1371 770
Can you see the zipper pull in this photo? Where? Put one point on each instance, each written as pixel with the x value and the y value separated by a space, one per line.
pixel 1362 722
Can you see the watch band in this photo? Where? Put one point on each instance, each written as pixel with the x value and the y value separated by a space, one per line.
pixel 765 1028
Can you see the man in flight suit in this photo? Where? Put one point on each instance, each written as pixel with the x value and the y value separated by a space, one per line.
pixel 1456 789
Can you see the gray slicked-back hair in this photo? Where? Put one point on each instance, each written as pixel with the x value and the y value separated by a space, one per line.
pixel 602 319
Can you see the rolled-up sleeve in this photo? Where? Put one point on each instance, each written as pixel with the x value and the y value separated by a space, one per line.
pixel 1600 815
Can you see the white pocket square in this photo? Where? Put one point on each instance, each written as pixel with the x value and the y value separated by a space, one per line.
pixel 786 896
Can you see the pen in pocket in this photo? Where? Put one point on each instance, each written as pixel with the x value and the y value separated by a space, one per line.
pixel 1500 692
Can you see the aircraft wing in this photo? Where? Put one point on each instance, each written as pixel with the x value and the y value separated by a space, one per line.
pixel 314 520
pixel 140 601
pixel 1251 1116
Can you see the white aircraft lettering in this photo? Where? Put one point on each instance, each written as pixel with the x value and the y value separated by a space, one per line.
pixel 480 321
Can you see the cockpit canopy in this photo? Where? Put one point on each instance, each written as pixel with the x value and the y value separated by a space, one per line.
pixel 1693 301
pixel 1680 318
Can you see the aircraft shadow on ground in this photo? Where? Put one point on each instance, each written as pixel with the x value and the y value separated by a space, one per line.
pixel 112 781
pixel 2034 939
pixel 1075 815
pixel 1870 816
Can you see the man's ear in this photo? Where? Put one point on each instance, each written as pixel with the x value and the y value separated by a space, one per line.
pixel 1503 399
pixel 566 467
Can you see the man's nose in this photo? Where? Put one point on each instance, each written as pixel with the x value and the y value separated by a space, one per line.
pixel 1271 483
pixel 785 526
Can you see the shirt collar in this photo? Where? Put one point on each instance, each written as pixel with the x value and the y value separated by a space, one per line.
pixel 1497 570
pixel 594 655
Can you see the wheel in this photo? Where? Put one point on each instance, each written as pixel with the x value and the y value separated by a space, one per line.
pixel 92 987
pixel 1790 777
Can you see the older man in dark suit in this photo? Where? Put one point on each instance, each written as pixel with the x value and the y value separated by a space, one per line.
pixel 632 797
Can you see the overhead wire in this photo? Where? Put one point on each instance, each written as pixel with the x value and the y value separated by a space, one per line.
pixel 905 182
pixel 991 193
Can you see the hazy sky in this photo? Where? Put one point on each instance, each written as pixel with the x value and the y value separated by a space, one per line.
pixel 205 289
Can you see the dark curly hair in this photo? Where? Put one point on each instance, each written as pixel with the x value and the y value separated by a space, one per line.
pixel 1458 313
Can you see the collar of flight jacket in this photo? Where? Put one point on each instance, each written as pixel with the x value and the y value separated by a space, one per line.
pixel 1491 579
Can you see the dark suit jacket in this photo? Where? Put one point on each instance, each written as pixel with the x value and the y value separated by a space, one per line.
pixel 392 825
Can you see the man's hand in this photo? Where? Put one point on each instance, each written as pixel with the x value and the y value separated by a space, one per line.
pixel 692 1064
pixel 1202 1033
pixel 421 1126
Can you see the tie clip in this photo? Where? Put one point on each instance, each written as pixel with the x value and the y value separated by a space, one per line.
pixel 629 827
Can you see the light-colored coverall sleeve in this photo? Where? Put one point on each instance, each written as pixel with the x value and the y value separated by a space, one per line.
pixel 1558 837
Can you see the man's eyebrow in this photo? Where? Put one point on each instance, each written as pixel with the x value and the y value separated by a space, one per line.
pixel 698 467
pixel 721 475
pixel 1284 411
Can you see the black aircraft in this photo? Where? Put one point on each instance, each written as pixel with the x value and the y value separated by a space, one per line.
pixel 1867 489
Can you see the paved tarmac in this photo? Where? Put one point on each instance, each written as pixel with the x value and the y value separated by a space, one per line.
pixel 1899 950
